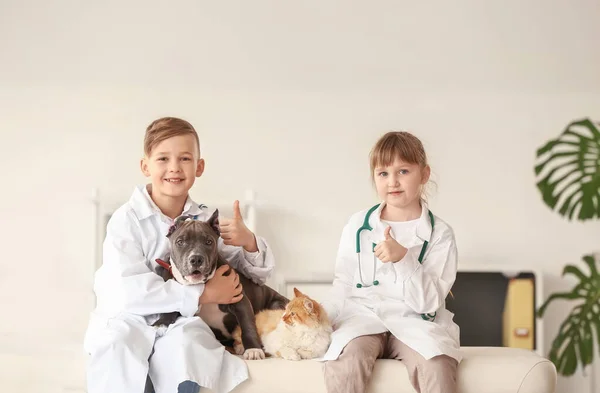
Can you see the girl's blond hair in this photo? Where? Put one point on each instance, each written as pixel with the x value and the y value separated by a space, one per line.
pixel 398 144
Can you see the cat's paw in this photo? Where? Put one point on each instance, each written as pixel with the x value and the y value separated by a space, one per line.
pixel 254 354
pixel 289 354
pixel 306 354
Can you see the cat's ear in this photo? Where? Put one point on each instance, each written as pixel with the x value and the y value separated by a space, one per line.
pixel 308 305
pixel 297 293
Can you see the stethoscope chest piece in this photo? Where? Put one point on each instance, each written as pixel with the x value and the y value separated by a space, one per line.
pixel 359 285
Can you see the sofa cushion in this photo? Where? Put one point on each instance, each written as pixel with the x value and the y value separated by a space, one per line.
pixel 483 370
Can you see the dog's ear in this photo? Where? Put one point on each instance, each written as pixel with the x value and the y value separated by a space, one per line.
pixel 180 220
pixel 213 221
pixel 171 230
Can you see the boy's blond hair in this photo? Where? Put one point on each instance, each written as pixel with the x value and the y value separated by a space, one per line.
pixel 165 128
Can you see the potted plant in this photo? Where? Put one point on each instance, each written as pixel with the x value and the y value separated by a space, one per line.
pixel 568 175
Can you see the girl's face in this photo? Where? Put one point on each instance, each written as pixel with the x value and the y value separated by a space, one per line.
pixel 400 184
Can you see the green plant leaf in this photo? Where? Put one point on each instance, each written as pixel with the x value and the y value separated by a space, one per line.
pixel 572 185
pixel 564 295
pixel 570 269
pixel 591 262
pixel 586 345
pixel 596 323
pixel 574 343
pixel 563 352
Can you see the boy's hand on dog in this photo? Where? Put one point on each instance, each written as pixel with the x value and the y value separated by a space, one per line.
pixel 389 250
pixel 222 288
pixel 235 233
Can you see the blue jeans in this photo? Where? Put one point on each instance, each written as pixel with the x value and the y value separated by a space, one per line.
pixel 184 387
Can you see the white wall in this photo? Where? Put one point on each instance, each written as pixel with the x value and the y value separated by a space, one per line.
pixel 288 98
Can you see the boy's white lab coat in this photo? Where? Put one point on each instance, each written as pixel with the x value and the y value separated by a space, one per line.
pixel 395 306
pixel 123 345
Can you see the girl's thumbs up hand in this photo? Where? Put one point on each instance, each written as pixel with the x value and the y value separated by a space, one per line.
pixel 389 250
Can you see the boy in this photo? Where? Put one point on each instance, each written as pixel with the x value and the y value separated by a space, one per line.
pixel 124 346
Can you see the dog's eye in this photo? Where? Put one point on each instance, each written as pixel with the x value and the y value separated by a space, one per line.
pixel 179 242
pixel 209 242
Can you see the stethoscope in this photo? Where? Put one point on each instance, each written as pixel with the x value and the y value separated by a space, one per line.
pixel 367 227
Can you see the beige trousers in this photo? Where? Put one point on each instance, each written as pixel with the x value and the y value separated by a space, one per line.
pixel 351 372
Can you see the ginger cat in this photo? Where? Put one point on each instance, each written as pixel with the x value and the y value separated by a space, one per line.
pixel 301 331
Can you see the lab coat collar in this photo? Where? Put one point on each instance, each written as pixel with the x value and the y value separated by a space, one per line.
pixel 144 206
pixel 423 229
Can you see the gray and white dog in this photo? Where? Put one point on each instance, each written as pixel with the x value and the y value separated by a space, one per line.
pixel 194 259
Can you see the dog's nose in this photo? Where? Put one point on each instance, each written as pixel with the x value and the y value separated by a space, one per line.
pixel 196 260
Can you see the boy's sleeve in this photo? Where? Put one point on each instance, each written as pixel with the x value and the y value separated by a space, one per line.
pixel 125 283
pixel 344 273
pixel 426 286
pixel 256 265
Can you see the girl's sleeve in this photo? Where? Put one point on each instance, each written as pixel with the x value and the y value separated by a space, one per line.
pixel 125 283
pixel 344 273
pixel 258 265
pixel 425 286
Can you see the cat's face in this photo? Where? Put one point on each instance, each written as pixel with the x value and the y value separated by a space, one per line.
pixel 302 310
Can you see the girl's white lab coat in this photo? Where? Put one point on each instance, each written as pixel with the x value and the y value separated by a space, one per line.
pixel 395 306
pixel 123 345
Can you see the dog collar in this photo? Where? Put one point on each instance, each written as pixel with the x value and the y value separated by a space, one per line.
pixel 166 265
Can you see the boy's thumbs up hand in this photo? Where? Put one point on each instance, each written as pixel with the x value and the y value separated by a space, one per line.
pixel 236 210
pixel 235 233
pixel 389 250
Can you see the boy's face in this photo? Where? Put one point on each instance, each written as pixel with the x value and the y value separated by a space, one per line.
pixel 173 165
pixel 399 184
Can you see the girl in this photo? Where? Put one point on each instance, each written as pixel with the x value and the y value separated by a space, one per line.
pixel 395 266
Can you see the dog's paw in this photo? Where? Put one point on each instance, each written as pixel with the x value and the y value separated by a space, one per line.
pixel 238 348
pixel 254 354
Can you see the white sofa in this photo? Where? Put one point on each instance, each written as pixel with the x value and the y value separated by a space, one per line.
pixel 483 370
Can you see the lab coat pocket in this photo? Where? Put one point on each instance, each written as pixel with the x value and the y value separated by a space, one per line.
pixel 445 318
pixel 452 328
pixel 362 285
pixel 390 286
